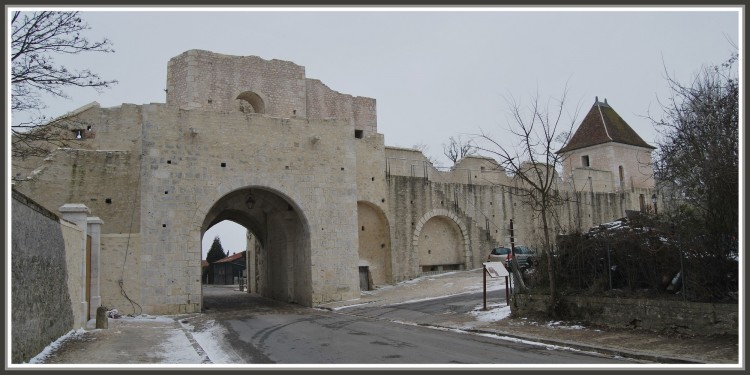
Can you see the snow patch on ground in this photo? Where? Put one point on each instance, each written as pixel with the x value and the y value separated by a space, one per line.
pixel 493 285
pixel 177 348
pixel 210 340
pixel 51 348
pixel 527 342
pixel 562 325
pixel 429 277
pixel 155 318
pixel 494 312
pixel 348 306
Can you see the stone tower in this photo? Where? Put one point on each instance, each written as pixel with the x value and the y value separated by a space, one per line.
pixel 606 154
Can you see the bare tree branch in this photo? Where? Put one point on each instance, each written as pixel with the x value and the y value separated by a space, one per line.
pixel 36 37
pixel 533 160
pixel 457 149
pixel 699 154
pixel 424 148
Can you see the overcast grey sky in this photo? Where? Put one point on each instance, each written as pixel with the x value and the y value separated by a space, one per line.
pixel 434 74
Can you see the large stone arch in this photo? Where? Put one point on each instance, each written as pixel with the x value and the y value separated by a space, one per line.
pixel 252 102
pixel 450 242
pixel 280 227
pixel 374 236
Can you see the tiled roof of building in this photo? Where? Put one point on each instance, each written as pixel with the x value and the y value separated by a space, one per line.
pixel 231 257
pixel 602 125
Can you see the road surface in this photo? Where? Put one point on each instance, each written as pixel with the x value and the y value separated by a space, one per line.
pixel 262 331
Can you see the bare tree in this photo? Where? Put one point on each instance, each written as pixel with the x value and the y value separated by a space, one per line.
pixel 424 148
pixel 699 153
pixel 36 38
pixel 534 162
pixel 457 149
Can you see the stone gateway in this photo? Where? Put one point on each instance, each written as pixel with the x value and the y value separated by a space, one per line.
pixel 303 168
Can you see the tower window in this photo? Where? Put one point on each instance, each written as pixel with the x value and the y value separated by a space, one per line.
pixel 358 134
pixel 585 161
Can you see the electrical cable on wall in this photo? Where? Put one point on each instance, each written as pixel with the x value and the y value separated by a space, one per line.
pixel 121 281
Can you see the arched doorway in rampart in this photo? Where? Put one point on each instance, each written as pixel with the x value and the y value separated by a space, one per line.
pixel 374 246
pixel 441 242
pixel 283 257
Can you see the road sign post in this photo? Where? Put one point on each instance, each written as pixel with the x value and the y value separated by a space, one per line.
pixel 494 269
pixel 484 285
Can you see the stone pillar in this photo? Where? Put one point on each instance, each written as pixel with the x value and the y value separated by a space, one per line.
pixel 77 214
pixel 251 257
pixel 95 231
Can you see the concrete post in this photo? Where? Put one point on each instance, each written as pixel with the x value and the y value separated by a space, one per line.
pixel 95 231
pixel 77 213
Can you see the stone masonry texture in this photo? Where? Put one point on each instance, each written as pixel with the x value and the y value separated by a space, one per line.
pixel 42 309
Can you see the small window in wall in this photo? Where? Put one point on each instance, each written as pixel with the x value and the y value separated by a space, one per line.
pixel 585 161
pixel 622 176
pixel 358 134
pixel 78 133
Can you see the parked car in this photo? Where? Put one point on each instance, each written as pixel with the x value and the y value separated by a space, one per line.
pixel 524 255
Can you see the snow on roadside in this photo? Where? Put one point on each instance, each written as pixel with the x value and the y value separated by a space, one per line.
pixel 177 348
pixel 492 286
pixel 210 340
pixel 51 348
pixel 494 312
pixel 156 318
pixel 562 325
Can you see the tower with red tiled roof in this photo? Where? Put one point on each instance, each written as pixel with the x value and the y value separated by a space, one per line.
pixel 606 154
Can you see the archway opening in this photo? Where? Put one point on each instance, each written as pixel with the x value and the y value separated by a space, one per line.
pixel 374 246
pixel 232 241
pixel 250 102
pixel 277 242
pixel 441 246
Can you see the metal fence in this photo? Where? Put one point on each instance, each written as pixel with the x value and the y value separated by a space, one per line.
pixel 642 263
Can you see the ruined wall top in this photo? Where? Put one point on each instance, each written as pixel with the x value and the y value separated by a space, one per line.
pixel 211 81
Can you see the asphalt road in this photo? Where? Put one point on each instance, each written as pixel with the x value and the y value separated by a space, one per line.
pixel 266 331
pixel 427 312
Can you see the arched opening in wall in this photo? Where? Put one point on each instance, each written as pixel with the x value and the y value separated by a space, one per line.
pixel 250 102
pixel 277 261
pixel 224 257
pixel 441 246
pixel 374 235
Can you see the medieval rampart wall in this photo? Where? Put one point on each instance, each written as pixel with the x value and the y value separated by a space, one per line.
pixel 105 181
pixel 188 166
pixel 355 201
pixel 120 272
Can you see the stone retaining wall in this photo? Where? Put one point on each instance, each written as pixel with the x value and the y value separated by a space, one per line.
pixel 652 315
pixel 41 302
